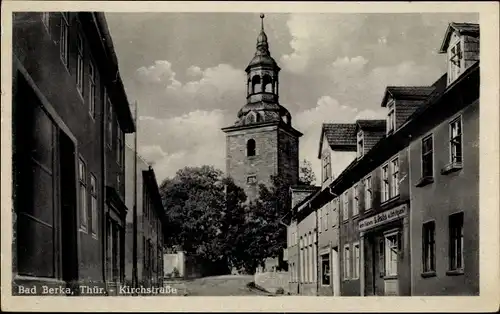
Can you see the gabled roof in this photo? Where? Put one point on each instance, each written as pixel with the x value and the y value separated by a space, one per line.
pixel 373 125
pixel 338 135
pixel 407 92
pixel 471 29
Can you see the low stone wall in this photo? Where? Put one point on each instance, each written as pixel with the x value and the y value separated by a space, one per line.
pixel 272 281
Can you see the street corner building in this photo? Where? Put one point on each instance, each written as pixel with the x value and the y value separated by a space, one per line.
pixel 145 228
pixel 262 142
pixel 402 218
pixel 70 115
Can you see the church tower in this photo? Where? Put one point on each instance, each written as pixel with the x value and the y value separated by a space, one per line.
pixel 262 141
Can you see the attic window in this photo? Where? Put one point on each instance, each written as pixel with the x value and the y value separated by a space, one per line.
pixel 391 118
pixel 360 145
pixel 456 61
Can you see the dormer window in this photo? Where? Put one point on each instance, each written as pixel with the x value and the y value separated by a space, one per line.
pixel 361 148
pixel 456 62
pixel 391 118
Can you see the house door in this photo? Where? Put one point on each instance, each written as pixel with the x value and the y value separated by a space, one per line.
pixel 391 257
pixel 335 272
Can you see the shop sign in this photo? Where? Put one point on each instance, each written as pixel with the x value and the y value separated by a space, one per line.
pixel 384 217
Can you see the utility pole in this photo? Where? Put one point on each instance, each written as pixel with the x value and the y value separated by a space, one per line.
pixel 134 223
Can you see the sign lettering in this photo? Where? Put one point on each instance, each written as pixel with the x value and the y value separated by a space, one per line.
pixel 381 218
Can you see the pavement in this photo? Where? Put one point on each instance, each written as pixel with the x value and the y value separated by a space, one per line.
pixel 225 285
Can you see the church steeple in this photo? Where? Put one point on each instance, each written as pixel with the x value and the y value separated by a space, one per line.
pixel 262 141
pixel 262 45
pixel 262 86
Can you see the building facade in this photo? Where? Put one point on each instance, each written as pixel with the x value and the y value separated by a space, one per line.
pixel 444 176
pixel 61 161
pixel 150 223
pixel 407 203
pixel 262 142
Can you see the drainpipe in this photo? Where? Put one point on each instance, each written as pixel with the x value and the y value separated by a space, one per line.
pixel 330 249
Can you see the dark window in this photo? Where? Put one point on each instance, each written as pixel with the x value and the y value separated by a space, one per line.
pixel 326 167
pixel 456 226
pixel 120 145
pixel 427 157
pixel 109 115
pixel 92 89
pixel 251 147
pixel 79 65
pixel 82 176
pixel 252 179
pixel 93 204
pixel 36 157
pixel 325 269
pixel 64 39
pixel 428 247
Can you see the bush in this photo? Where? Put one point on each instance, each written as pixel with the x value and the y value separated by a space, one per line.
pixel 280 290
pixel 175 272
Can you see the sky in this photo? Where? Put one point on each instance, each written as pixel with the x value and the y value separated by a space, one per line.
pixel 186 73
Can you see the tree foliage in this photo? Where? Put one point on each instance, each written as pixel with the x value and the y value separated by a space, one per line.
pixel 203 212
pixel 208 218
pixel 306 174
pixel 263 234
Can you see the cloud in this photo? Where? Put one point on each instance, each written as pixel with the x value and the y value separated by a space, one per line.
pixel 327 110
pixel 159 72
pixel 161 94
pixel 192 139
pixel 312 40
pixel 194 71
pixel 151 152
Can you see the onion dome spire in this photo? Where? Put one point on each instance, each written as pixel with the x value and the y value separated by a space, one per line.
pixel 262 45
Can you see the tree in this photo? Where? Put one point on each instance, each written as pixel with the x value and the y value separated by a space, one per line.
pixel 306 174
pixel 263 235
pixel 203 211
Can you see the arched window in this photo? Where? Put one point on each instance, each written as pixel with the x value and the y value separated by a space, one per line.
pixel 267 84
pixel 248 86
pixel 251 147
pixel 256 84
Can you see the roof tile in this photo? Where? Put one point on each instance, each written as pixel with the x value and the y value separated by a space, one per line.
pixel 340 134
